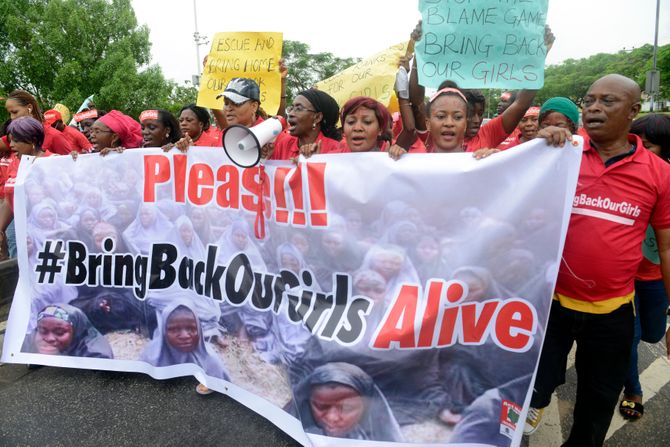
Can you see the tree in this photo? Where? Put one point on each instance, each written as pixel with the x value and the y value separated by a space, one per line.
pixel 572 78
pixel 65 50
pixel 306 69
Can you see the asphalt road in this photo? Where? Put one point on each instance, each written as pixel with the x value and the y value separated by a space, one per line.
pixel 72 407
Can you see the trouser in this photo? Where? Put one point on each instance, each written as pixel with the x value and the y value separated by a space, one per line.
pixel 651 302
pixel 11 240
pixel 603 355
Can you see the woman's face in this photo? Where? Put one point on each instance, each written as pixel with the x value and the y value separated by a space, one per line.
pixel 100 236
pixel 93 199
pixel 186 234
pixel 388 264
pixel 476 287
pixel 362 130
pixel 301 117
pixel 427 250
pixel 447 123
pixel 154 133
pixel 47 218
pixel 301 243
pixel 374 290
pixel 528 127
pixel 102 137
pixel 337 409
pixel 181 331
pixel 555 119
pixel 655 148
pixel 53 336
pixel 88 221
pixel 21 148
pixel 198 218
pixel 332 243
pixel 289 262
pixel 85 126
pixel 242 114
pixel 16 110
pixel 147 217
pixel 190 124
pixel 240 239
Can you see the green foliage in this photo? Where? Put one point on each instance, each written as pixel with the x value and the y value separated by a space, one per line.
pixel 306 69
pixel 572 78
pixel 65 50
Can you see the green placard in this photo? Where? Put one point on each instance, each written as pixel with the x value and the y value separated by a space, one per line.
pixel 482 43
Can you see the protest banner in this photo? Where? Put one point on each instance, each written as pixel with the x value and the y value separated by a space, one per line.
pixel 409 288
pixel 373 77
pixel 482 43
pixel 253 55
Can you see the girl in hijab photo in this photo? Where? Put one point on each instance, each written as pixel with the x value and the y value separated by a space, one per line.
pixel 342 401
pixel 149 226
pixel 65 330
pixel 179 339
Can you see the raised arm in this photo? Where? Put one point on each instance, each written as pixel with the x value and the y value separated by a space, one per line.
pixel 524 99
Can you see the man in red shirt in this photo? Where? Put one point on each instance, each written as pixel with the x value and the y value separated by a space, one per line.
pixel 622 188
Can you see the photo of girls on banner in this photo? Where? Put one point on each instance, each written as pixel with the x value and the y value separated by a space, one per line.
pixel 388 301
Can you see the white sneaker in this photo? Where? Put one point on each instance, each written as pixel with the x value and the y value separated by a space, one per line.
pixel 533 420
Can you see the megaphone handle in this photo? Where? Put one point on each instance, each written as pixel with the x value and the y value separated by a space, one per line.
pixel 259 224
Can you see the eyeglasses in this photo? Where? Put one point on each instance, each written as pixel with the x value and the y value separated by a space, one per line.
pixel 97 131
pixel 299 109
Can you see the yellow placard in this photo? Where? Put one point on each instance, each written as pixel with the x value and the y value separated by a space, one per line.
pixel 373 77
pixel 243 55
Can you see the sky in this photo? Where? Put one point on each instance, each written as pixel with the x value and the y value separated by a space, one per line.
pixel 361 28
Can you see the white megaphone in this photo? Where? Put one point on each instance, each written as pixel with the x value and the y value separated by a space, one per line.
pixel 243 145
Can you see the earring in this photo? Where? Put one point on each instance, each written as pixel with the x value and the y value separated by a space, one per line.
pixel 313 126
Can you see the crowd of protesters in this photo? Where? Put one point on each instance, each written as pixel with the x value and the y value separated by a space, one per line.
pixel 610 294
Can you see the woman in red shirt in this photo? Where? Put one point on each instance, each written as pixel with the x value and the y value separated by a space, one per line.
pixel 159 128
pixel 651 299
pixel 21 103
pixel 194 123
pixel 312 119
pixel 26 136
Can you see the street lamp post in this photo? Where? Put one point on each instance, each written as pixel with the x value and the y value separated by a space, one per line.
pixel 199 40
pixel 656 75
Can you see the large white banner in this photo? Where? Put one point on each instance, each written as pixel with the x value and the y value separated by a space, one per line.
pixel 399 302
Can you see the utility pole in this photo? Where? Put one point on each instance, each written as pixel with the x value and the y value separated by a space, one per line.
pixel 199 40
pixel 654 78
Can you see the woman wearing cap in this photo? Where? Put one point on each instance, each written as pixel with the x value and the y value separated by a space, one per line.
pixel 555 112
pixel 115 131
pixel 559 112
pixel 526 130
pixel 86 119
pixel 77 140
pixel 20 103
pixel 159 128
pixel 312 120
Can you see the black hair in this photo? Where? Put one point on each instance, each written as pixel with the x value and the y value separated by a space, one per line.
pixel 25 99
pixel 201 113
pixel 451 84
pixel 656 129
pixel 167 119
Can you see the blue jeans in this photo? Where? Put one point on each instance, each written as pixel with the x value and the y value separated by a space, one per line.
pixel 651 302
pixel 11 240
